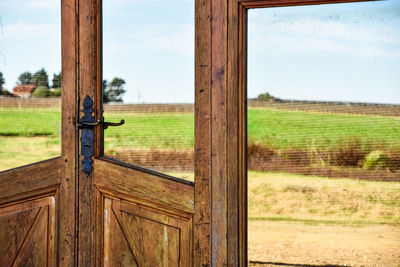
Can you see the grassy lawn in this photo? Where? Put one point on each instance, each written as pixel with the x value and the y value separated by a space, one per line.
pixel 321 200
pixel 279 129
pixel 151 130
pixel 284 129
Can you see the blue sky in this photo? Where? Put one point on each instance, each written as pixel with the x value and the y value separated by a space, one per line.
pixel 340 52
pixel 347 52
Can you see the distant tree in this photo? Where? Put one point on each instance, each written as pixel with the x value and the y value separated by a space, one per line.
pixel 40 78
pixel 3 91
pixel 113 91
pixel 2 81
pixel 266 97
pixel 56 82
pixel 25 78
pixel 41 91
pixel 103 88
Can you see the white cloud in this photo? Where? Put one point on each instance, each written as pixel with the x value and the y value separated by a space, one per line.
pixel 366 39
pixel 44 4
pixel 24 31
pixel 177 39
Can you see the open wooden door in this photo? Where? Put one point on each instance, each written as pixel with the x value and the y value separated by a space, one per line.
pixel 86 209
pixel 144 218
pixel 128 215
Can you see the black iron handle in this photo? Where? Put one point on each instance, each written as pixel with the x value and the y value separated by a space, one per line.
pixel 85 124
pixel 106 124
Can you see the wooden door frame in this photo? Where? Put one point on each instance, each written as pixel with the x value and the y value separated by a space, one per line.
pixel 81 69
pixel 221 125
pixel 67 215
pixel 220 220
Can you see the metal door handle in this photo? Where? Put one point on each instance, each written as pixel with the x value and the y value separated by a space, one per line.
pixel 106 124
pixel 85 124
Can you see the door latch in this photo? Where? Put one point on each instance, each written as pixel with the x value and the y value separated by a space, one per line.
pixel 86 124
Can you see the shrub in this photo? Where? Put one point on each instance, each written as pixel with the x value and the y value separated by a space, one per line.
pixel 258 155
pixel 394 156
pixel 377 159
pixel 349 153
pixel 56 92
pixel 41 91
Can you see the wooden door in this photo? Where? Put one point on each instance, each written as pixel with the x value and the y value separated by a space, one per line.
pixel 37 211
pixel 127 215
pixel 54 213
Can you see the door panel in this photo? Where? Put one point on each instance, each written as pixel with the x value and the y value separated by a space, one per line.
pixel 27 233
pixel 145 218
pixel 29 181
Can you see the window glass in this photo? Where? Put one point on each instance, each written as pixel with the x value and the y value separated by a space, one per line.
pixel 324 135
pixel 148 73
pixel 30 81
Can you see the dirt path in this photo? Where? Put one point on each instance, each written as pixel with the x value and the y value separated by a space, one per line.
pixel 298 244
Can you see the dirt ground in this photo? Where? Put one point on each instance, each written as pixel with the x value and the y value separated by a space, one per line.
pixel 280 243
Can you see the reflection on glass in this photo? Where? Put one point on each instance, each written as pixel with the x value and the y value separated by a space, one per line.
pixel 148 73
pixel 30 82
pixel 324 135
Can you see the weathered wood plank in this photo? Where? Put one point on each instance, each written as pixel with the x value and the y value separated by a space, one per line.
pixel 20 181
pixel 117 251
pixel 27 231
pixel 155 238
pixel 66 208
pixel 89 85
pixel 145 187
pixel 219 70
pixel 202 219
pixel 233 123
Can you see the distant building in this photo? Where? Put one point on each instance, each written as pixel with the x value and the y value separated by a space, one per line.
pixel 24 90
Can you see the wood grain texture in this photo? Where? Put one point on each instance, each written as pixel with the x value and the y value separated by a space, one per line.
pixel 27 180
pixel 89 67
pixel 233 122
pixel 66 211
pixel 202 219
pixel 33 251
pixel 146 236
pixel 13 230
pixel 241 160
pixel 117 251
pixel 27 233
pixel 219 180
pixel 144 187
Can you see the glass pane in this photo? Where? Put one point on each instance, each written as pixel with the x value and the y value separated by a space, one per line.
pixel 30 81
pixel 324 135
pixel 148 52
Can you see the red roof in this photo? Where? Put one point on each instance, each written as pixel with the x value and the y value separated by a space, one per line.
pixel 23 89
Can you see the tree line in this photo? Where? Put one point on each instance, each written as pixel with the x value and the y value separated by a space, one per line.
pixel 112 91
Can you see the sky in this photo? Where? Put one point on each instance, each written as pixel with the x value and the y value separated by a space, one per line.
pixel 345 52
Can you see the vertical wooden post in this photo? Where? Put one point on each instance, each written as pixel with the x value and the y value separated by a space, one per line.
pixel 89 84
pixel 202 218
pixel 220 174
pixel 67 249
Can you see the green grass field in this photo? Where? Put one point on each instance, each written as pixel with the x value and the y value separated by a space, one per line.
pixel 323 220
pixel 284 129
pixel 278 129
